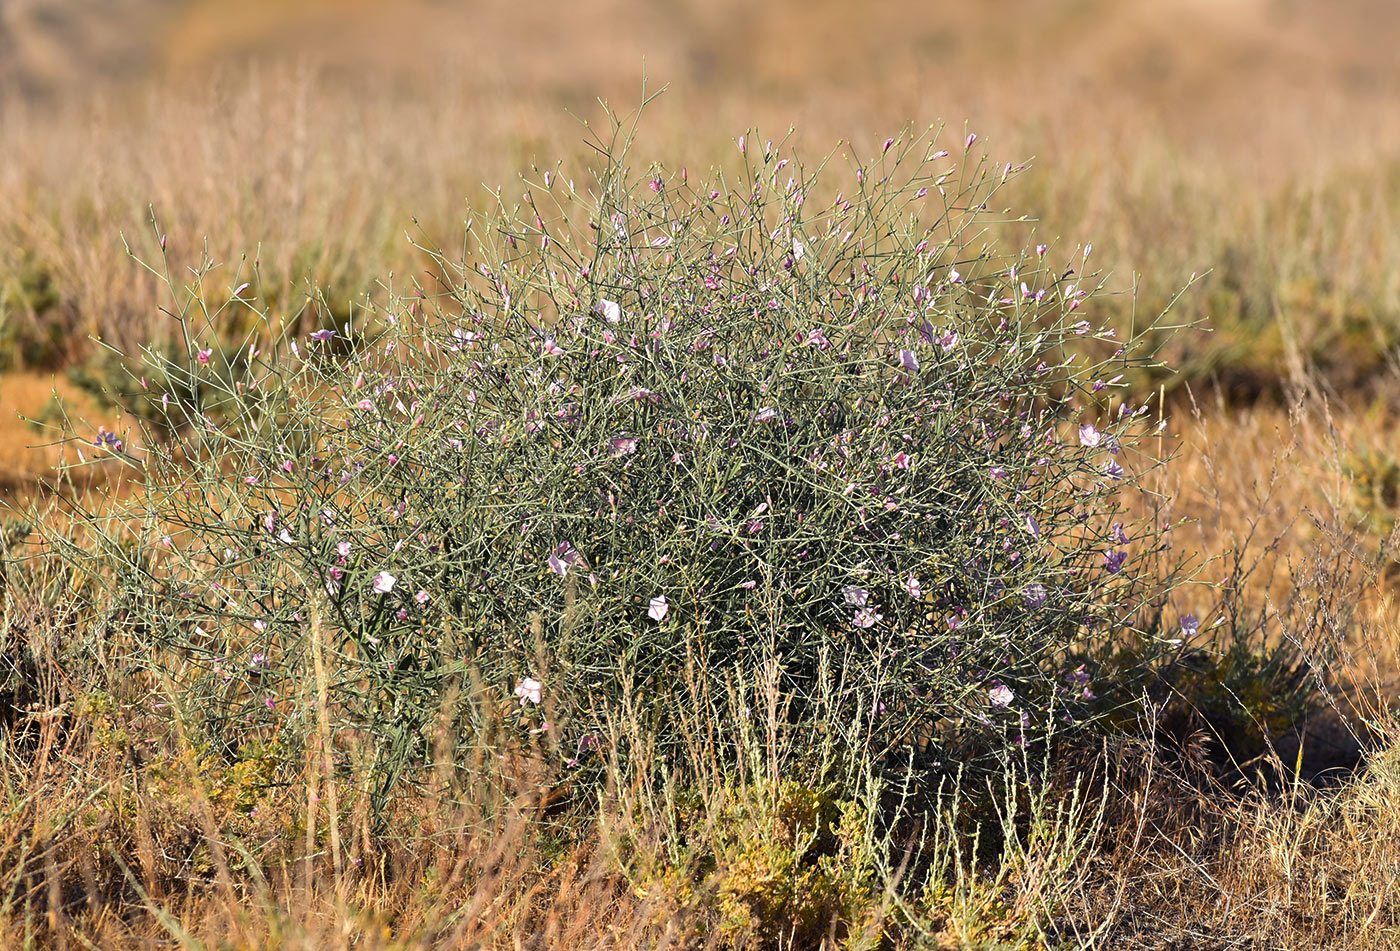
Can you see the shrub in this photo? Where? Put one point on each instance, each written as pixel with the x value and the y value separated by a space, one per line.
pixel 638 443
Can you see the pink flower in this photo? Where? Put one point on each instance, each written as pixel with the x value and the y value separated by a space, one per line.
pixel 659 607
pixel 911 585
pixel 529 690
pixel 901 461
pixel 953 276
pixel 1090 436
pixel 204 356
pixel 1001 695
pixel 866 617
pixel 971 138
pixel 343 549
pixel 421 597
pixel 321 336
pixel 611 310
pixel 855 595
pixel 383 583
pixel 765 414
pixel 550 348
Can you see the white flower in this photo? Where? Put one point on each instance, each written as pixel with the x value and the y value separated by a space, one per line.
pixel 611 310
pixel 383 583
pixel 1001 695
pixel 658 609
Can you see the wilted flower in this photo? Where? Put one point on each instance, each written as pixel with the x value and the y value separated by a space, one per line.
pixel 529 690
pixel 383 583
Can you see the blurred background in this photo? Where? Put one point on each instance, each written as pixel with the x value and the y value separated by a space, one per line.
pixel 1258 140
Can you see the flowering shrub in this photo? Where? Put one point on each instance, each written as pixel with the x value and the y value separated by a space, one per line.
pixel 655 433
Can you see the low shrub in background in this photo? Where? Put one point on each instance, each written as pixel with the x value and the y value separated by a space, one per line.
pixel 647 443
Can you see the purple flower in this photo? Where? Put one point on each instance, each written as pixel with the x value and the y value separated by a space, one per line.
pixel 659 607
pixel 855 596
pixel 624 445
pixel 1035 594
pixel 1032 526
pixel 909 360
pixel 562 558
pixel 1113 470
pixel 1190 626
pixel 1113 561
pixel 321 336
pixel 383 583
pixel 765 414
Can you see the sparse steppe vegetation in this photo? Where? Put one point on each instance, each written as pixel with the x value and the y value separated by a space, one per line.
pixel 1162 717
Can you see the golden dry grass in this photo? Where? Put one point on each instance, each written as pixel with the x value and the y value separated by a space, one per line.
pixel 1260 138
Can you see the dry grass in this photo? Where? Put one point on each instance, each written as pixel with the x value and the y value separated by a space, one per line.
pixel 1259 139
